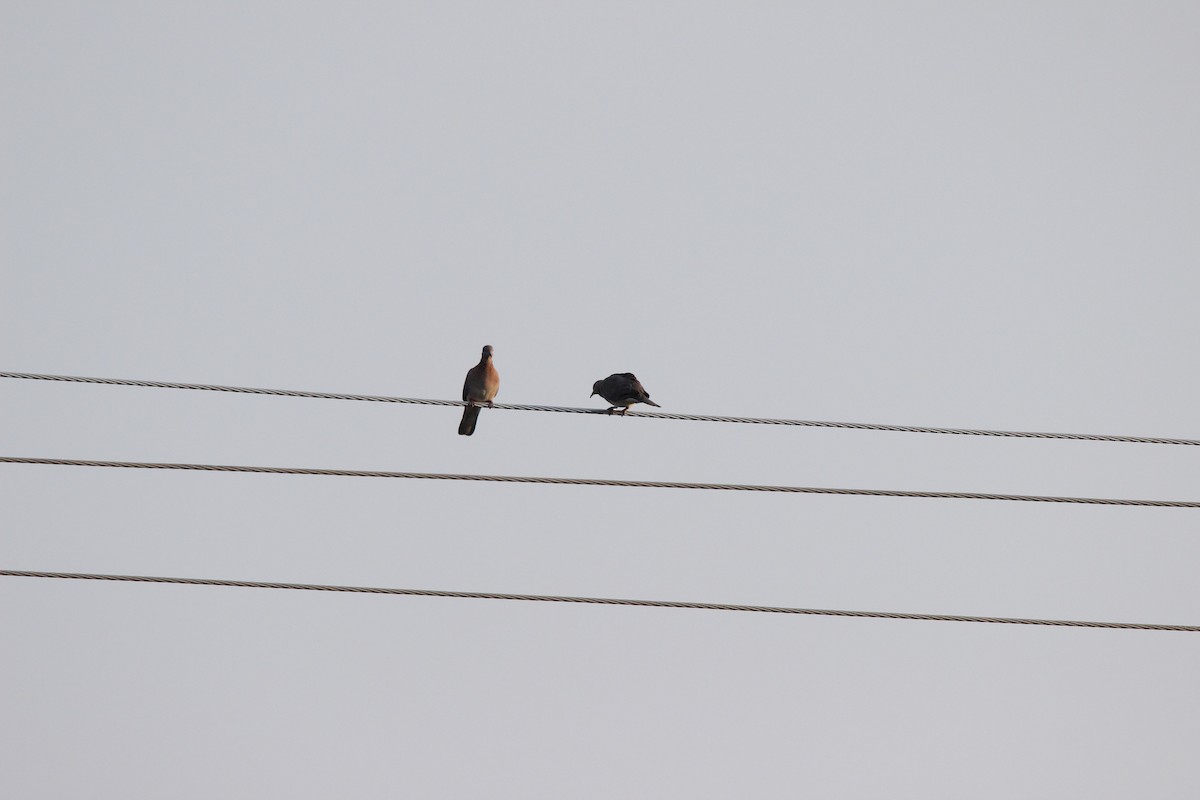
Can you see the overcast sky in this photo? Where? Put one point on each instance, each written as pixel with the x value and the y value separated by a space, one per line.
pixel 929 213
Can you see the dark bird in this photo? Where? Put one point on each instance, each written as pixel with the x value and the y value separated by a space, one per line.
pixel 622 390
pixel 480 387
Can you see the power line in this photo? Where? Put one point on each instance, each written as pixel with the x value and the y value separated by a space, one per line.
pixel 648 415
pixel 608 601
pixel 735 487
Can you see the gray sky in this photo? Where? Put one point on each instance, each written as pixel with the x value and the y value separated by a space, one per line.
pixel 975 215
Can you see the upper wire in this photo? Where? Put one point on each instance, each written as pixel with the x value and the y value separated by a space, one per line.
pixel 643 414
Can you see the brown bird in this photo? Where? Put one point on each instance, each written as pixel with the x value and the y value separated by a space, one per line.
pixel 622 390
pixel 480 387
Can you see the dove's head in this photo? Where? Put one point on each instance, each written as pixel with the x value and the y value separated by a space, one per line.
pixel 487 351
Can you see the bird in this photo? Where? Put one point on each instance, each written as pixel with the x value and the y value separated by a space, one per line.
pixel 481 385
pixel 621 390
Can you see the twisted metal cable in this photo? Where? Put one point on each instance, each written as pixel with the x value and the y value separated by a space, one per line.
pixel 733 487
pixel 867 426
pixel 608 601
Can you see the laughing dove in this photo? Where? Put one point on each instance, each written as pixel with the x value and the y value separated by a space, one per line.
pixel 480 387
pixel 622 390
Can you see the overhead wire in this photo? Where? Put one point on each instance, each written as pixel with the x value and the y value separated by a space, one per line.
pixel 599 482
pixel 608 601
pixel 639 414
pixel 362 473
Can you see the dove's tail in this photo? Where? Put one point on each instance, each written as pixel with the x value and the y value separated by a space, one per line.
pixel 470 416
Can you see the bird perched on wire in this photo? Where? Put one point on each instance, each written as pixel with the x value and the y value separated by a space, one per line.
pixel 480 387
pixel 621 390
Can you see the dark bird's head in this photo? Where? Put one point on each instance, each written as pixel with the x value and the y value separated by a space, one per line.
pixel 596 388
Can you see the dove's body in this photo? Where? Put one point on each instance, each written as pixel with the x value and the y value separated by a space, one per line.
pixel 621 390
pixel 481 386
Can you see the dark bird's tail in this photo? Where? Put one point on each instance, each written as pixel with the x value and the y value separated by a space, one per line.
pixel 470 416
pixel 650 402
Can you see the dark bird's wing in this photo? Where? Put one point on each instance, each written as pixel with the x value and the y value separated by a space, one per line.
pixel 638 392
